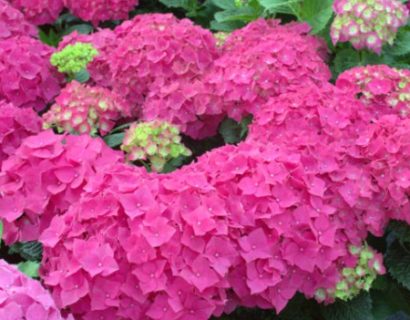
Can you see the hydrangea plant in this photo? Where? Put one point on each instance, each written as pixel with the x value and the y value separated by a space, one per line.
pixel 156 142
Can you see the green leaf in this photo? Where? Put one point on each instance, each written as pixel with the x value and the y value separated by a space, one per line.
pixel 224 4
pixel 359 308
pixel 401 230
pixel 279 6
pixel 244 14
pixel 316 13
pixel 345 59
pixel 32 250
pixel 1 231
pixel 401 45
pixel 114 140
pixel 52 38
pixel 227 26
pixel 29 268
pixel 230 131
pixel 80 28
pixel 184 4
pixel 83 76
pixel 397 261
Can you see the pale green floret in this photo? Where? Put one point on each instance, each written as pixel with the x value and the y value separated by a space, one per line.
pixel 74 58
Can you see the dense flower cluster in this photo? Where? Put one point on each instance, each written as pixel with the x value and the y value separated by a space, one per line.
pixel 104 42
pixel 73 58
pixel 39 12
pixel 368 23
pixel 250 71
pixel 159 49
pixel 13 23
pixel 383 89
pixel 156 142
pixel 97 11
pixel 15 125
pixel 27 78
pixel 84 109
pixel 44 177
pixel 24 298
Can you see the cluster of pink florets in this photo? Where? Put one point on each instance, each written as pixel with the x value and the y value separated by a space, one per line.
pixel 39 11
pixel 27 78
pixel 15 125
pixel 97 11
pixel 56 171
pixel 24 298
pixel 13 23
pixel 82 109
pixel 368 23
pixel 384 89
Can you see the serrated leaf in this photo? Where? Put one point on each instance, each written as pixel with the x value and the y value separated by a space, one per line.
pixel 401 230
pixel 83 76
pixel 30 268
pixel 398 263
pixel 244 14
pixel 114 140
pixel 316 13
pixel 32 250
pixel 359 308
pixel 401 45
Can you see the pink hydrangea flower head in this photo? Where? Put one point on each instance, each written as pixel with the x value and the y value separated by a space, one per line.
pixel 13 23
pixel 24 298
pixel 27 78
pixel 156 142
pixel 290 57
pixel 44 176
pixel 39 12
pixel 15 125
pixel 383 89
pixel 97 11
pixel 84 109
pixel 367 23
pixel 158 48
pixel 104 41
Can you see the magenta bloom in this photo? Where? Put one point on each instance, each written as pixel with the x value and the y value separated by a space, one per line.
pixel 13 23
pixel 24 298
pixel 39 12
pixel 101 10
pixel 27 78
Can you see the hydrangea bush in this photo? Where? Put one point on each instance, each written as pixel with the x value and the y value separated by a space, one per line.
pixel 302 209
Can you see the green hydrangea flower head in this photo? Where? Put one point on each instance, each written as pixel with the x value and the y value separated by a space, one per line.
pixel 355 278
pixel 157 142
pixel 74 58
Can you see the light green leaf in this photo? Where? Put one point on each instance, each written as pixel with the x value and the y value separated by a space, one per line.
pixel 224 4
pixel 245 14
pixel 279 6
pixel 316 13
pixel 30 268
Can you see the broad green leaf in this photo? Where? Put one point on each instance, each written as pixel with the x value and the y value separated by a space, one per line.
pixel 184 4
pixel 397 261
pixel 227 26
pixel 83 76
pixel 224 4
pixel 32 250
pixel 359 308
pixel 244 14
pixel 230 131
pixel 344 60
pixel 316 13
pixel 30 268
pixel 401 45
pixel 279 6
pixel 51 38
pixel 114 140
pixel 401 231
